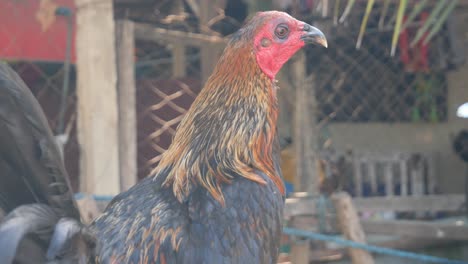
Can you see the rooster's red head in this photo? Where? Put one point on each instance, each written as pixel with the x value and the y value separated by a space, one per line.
pixel 275 37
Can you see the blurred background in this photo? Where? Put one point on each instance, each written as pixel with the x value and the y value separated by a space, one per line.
pixel 374 115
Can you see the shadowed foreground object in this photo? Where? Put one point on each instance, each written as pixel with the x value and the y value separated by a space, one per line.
pixel 216 196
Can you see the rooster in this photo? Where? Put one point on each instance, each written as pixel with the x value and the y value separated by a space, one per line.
pixel 217 194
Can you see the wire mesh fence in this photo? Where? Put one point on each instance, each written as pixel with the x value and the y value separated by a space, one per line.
pixel 162 104
pixel 367 85
pixel 386 103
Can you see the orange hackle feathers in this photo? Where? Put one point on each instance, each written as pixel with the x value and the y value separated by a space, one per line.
pixel 230 128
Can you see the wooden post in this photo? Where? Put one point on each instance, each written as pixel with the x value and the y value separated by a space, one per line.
pixel 373 177
pixel 300 252
pixel 88 209
pixel 348 221
pixel 389 191
pixel 417 176
pixel 305 129
pixel 179 62
pixel 431 173
pixel 404 175
pixel 209 54
pixel 125 45
pixel 358 176
pixel 97 97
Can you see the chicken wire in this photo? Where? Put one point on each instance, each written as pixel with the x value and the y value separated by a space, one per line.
pixel 367 85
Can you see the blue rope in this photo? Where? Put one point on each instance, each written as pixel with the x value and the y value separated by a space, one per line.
pixel 99 198
pixel 370 248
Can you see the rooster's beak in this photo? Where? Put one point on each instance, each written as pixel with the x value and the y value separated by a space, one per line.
pixel 313 35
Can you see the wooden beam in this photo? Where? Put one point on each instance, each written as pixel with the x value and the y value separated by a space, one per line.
pixel 401 243
pixel 429 203
pixel 432 203
pixel 298 206
pixel 97 97
pixel 412 243
pixel 418 229
pixel 348 221
pixel 125 45
pixel 166 36
pixel 394 241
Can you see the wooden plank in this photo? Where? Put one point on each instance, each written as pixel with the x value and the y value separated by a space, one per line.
pixel 348 221
pixel 431 174
pixel 417 178
pixel 298 206
pixel 403 177
pixel 412 243
pixel 179 64
pixel 373 177
pixel 419 229
pixel 434 203
pixel 166 36
pixel 326 255
pixel 126 89
pixel 300 252
pixel 358 177
pixel 97 120
pixel 393 241
pixel 388 179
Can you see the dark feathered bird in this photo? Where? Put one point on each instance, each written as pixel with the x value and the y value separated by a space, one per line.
pixel 34 189
pixel 217 193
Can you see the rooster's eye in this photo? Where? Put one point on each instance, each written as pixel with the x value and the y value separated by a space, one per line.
pixel 282 31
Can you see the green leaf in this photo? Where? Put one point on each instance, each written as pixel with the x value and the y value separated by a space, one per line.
pixel 416 10
pixel 336 11
pixel 430 20
pixel 383 14
pixel 396 31
pixel 347 10
pixel 441 20
pixel 370 4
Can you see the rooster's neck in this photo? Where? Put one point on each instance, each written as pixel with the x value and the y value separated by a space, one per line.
pixel 229 131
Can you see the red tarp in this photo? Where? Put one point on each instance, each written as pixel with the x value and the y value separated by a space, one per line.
pixel 30 30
